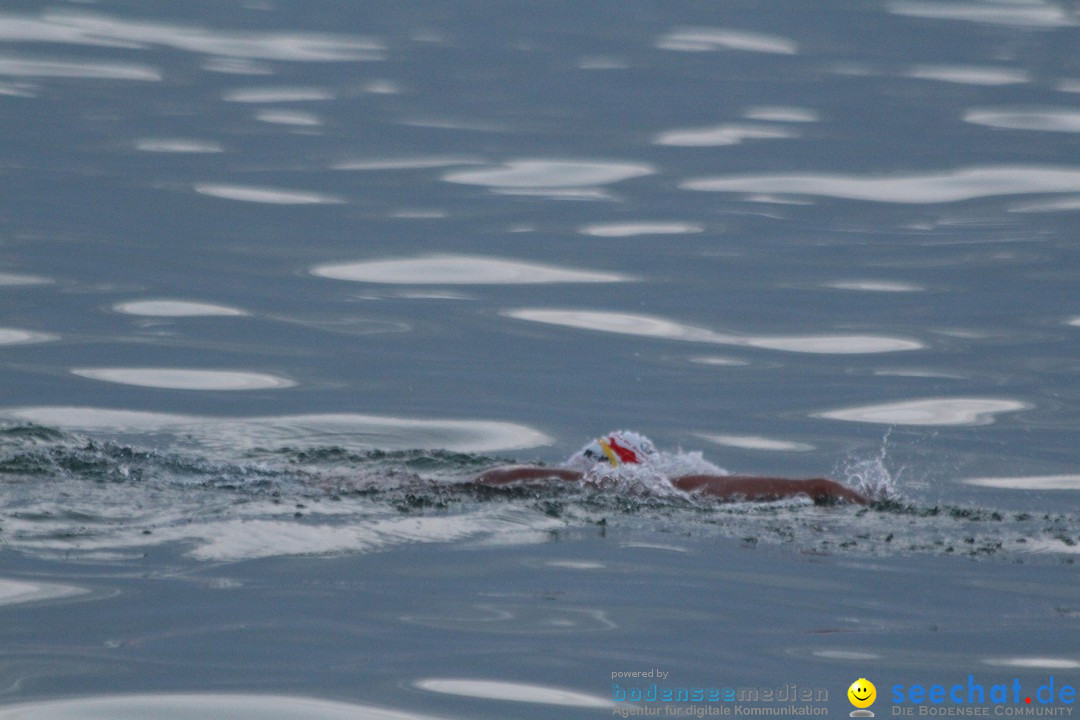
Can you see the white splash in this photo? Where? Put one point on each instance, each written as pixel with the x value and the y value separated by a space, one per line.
pixel 870 477
pixel 652 479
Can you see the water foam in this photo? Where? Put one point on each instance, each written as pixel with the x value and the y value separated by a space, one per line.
pixel 66 496
pixel 652 479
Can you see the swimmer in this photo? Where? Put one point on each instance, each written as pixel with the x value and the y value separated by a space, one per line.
pixel 619 448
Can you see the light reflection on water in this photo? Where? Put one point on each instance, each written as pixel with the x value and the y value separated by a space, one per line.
pixel 754 442
pixel 770 113
pixel 231 436
pixel 930 411
pixel 278 95
pixel 178 145
pixel 295 118
pixel 176 308
pixel 23 67
pixel 874 193
pixel 272 196
pixel 1068 204
pixel 1036 14
pixel 509 618
pixel 203 707
pixel 460 270
pixel 656 327
pixel 543 174
pixel 102 30
pixel 1035 662
pixel 708 39
pixel 1037 482
pixel 404 163
pixel 887 286
pixel 937 187
pixel 633 229
pixel 516 692
pixel 726 134
pixel 1047 120
pixel 969 74
pixel 13 336
pixel 184 379
pixel 236 66
pixel 13 592
pixel 18 280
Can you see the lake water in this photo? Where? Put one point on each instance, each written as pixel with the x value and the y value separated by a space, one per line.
pixel 278 278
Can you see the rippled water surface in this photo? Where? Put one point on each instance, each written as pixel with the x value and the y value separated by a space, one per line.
pixel 277 280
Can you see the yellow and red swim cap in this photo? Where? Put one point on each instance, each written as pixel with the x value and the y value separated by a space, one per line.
pixel 615 448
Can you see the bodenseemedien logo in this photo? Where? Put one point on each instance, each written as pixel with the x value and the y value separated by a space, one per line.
pixel 862 694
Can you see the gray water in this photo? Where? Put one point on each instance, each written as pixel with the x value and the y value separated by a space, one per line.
pixel 277 279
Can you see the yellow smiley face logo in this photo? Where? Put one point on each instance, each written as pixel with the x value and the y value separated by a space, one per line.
pixel 862 693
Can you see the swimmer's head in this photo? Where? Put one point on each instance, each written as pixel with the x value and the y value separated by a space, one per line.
pixel 614 449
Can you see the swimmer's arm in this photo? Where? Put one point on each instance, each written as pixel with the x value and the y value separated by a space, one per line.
pixel 515 473
pixel 746 487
